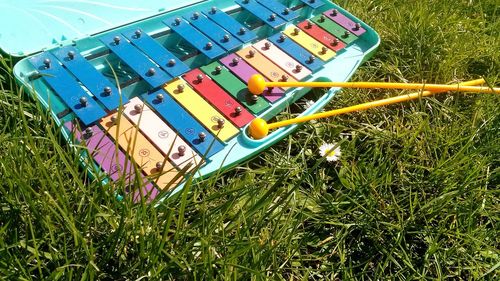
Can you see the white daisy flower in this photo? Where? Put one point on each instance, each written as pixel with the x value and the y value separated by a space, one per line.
pixel 331 151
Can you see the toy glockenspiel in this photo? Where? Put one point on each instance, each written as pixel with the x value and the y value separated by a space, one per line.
pixel 156 91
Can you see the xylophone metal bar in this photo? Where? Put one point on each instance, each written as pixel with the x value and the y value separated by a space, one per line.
pixel 309 43
pixel 145 155
pixel 282 59
pixel 214 31
pixel 231 25
pixel 322 35
pixel 244 71
pixel 93 80
pixel 263 13
pixel 161 134
pixel 265 66
pixel 297 51
pixel 67 88
pixel 345 22
pixel 205 45
pixel 313 3
pixel 199 137
pixel 136 60
pixel 164 58
pixel 201 110
pixel 235 87
pixel 334 28
pixel 283 11
pixel 226 104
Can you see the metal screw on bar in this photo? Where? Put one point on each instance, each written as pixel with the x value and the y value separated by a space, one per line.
pixel 177 21
pixel 220 123
pixel 208 46
pixel 160 97
pixel 346 34
pixel 335 42
pixel 113 119
pixel 199 78
pixel 107 90
pixel 296 31
pixel 226 38
pixel 298 68
pixel 254 98
pixel 171 62
pixel 84 101
pixel 286 11
pixel 282 38
pixel 267 45
pixel 237 111
pixel 202 136
pixel 312 1
pixel 235 61
pixel 324 50
pixel 334 12
pixel 196 15
pixel 151 71
pixel 218 69
pixel 311 59
pixel 180 88
pixel 246 1
pixel 138 33
pixel 272 17
pixel 181 150
pixel 284 78
pixel 117 40
pixel 251 53
pixel 322 18
pixel 46 62
pixel 213 10
pixel 88 132
pixel 159 165
pixel 242 31
pixel 71 55
pixel 309 25
pixel 138 108
pixel 357 26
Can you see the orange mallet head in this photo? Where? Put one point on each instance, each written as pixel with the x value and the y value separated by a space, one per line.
pixel 257 84
pixel 258 128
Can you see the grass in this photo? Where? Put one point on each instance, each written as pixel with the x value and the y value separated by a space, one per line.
pixel 415 195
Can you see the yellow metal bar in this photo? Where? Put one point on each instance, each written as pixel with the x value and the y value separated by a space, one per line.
pixel 372 104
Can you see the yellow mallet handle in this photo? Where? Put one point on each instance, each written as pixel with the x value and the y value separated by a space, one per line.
pixel 257 84
pixel 259 128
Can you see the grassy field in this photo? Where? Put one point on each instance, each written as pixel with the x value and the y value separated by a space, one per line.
pixel 415 194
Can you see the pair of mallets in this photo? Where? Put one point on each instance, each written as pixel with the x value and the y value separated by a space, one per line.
pixel 259 128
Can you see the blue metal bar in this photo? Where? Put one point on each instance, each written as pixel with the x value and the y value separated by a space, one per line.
pixel 280 9
pixel 64 85
pixel 261 12
pixel 164 58
pixel 136 60
pixel 296 51
pixel 211 49
pixel 103 89
pixel 313 3
pixel 232 25
pixel 218 34
pixel 184 123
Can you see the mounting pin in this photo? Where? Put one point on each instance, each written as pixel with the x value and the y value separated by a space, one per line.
pixel 181 150
pixel 84 101
pixel 107 90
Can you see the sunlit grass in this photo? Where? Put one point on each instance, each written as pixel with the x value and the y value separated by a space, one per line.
pixel 414 196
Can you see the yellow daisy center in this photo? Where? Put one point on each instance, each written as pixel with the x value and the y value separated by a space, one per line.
pixel 330 153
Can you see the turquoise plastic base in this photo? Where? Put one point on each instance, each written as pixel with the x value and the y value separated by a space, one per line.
pixel 242 147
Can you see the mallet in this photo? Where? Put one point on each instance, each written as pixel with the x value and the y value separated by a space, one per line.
pixel 259 128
